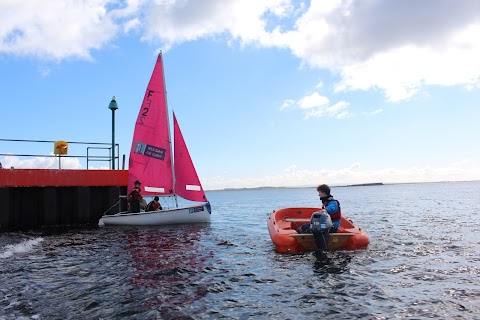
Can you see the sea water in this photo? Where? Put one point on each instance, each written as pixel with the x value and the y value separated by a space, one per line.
pixel 423 262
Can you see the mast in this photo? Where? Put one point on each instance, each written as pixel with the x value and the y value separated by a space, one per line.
pixel 169 132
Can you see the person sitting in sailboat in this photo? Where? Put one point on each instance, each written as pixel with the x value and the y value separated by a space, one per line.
pixel 135 197
pixel 154 205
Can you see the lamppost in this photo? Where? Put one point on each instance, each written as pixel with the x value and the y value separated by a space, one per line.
pixel 113 106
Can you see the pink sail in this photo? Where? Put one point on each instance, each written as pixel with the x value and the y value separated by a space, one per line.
pixel 150 156
pixel 187 184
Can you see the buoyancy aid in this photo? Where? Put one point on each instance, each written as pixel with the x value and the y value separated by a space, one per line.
pixel 334 216
pixel 152 206
pixel 135 194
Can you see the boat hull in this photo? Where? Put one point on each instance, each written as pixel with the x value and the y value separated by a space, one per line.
pixel 182 215
pixel 283 223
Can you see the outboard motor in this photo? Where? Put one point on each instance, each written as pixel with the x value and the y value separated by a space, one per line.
pixel 320 225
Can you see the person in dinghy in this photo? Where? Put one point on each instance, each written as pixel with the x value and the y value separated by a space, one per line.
pixel 330 206
pixel 154 205
pixel 135 199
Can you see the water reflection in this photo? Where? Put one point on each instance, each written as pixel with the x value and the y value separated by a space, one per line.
pixel 170 262
pixel 331 262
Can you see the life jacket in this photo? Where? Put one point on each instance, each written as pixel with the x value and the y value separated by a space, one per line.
pixel 135 194
pixel 334 216
pixel 152 206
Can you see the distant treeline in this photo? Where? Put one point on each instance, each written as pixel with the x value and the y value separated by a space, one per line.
pixel 301 187
pixel 365 184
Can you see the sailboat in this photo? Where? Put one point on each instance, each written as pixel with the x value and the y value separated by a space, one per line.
pixel 162 171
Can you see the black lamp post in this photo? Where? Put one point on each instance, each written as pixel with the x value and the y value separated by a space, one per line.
pixel 113 106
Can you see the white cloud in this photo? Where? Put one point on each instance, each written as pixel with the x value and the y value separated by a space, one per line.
pixel 353 174
pixel 316 106
pixel 401 72
pixel 55 29
pixel 395 46
pixel 313 101
pixel 40 162
pixel 287 104
pixel 373 113
pixel 132 25
pixel 172 22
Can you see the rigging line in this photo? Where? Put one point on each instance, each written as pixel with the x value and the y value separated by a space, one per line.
pixel 111 207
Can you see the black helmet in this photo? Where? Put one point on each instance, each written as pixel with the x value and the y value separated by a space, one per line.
pixel 138 182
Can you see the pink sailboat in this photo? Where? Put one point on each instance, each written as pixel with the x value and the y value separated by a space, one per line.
pixel 164 171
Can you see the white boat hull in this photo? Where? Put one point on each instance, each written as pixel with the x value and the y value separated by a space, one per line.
pixel 183 215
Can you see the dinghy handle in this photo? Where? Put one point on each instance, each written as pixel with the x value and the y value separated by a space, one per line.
pixel 288 219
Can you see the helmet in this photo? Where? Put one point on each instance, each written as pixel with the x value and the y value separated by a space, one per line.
pixel 137 182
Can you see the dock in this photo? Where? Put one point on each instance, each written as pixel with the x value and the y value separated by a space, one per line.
pixel 35 198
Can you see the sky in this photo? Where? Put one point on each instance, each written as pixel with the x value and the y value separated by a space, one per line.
pixel 267 93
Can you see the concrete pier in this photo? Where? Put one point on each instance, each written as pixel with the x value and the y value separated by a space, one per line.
pixel 33 198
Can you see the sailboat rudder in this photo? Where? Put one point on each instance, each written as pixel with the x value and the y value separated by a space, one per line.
pixel 209 207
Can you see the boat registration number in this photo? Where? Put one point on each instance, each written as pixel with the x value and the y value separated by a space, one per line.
pixel 196 209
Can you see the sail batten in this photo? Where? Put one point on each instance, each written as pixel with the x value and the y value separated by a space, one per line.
pixel 155 190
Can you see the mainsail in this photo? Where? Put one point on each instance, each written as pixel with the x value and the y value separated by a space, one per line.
pixel 187 184
pixel 150 156
pixel 151 153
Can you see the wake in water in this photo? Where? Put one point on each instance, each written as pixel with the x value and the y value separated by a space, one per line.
pixel 24 246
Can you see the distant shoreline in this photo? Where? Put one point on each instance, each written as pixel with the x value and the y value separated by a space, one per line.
pixel 365 184
pixel 337 186
pixel 301 187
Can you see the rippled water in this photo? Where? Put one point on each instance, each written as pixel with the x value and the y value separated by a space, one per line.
pixel 423 262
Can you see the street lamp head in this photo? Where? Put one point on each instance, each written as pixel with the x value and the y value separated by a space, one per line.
pixel 113 104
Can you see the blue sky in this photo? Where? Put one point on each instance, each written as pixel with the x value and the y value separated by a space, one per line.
pixel 267 93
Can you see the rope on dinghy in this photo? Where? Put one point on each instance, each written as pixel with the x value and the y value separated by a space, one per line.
pixel 111 207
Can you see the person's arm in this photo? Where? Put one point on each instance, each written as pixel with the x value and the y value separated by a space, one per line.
pixel 332 207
